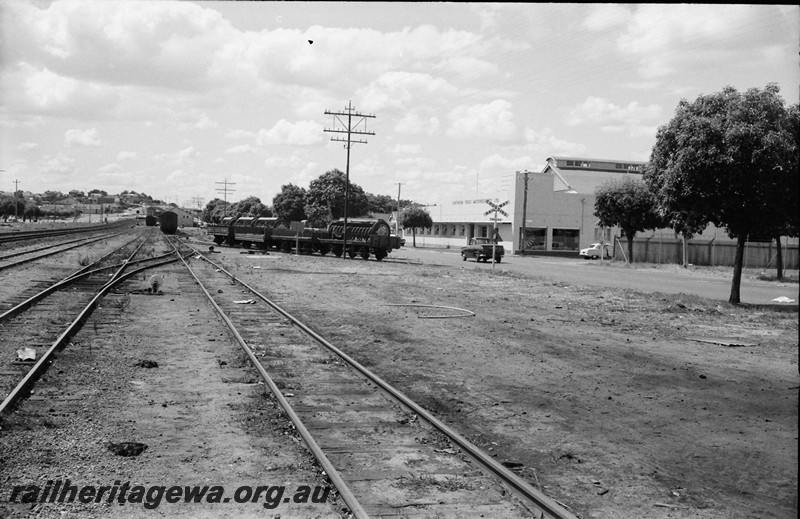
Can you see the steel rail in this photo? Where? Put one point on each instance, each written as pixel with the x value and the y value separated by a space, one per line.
pixel 28 303
pixel 6 237
pixel 23 387
pixel 40 249
pixel 533 496
pixel 20 262
pixel 111 253
pixel 344 491
pixel 522 488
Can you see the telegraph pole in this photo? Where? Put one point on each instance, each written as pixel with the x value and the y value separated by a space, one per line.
pixel 224 190
pixel 397 220
pixel 16 188
pixel 350 130
pixel 524 212
pixel 197 201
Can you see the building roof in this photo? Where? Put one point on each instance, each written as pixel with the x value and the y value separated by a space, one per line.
pixel 582 175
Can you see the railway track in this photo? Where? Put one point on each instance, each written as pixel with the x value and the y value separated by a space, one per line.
pixel 13 236
pixel 386 455
pixel 42 324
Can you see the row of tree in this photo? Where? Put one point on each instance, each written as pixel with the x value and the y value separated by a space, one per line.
pixel 729 159
pixel 320 204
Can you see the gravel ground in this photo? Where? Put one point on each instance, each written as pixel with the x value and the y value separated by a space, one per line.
pixel 605 398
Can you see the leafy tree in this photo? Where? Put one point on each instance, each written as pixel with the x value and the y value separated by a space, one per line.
pixel 381 203
pixel 326 196
pixel 52 196
pixel 290 203
pixel 250 206
pixel 214 211
pixel 628 204
pixel 416 217
pixel 31 212
pixel 787 205
pixel 728 158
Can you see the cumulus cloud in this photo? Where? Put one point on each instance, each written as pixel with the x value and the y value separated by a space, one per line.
pixel 406 149
pixel 301 133
pixel 28 146
pixel 604 16
pixel 110 168
pixel 126 155
pixel 612 118
pixel 413 123
pixel 82 138
pixel 242 148
pixel 663 40
pixel 399 90
pixel 489 121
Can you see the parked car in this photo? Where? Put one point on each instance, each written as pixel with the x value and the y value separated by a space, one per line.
pixel 593 251
pixel 481 249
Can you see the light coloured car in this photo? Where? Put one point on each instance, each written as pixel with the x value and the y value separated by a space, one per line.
pixel 593 251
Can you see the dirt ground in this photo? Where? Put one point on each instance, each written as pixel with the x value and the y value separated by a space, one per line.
pixel 605 397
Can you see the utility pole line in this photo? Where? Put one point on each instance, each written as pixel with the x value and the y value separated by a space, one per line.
pixel 224 190
pixel 350 130
pixel 16 188
pixel 197 201
pixel 522 233
pixel 397 220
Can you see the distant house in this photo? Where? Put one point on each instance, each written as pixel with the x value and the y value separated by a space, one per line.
pixel 185 218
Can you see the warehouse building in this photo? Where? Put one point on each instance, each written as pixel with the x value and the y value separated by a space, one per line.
pixel 556 205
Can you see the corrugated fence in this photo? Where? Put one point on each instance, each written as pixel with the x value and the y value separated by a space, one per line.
pixel 706 252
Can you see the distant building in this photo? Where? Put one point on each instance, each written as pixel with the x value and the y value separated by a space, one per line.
pixel 558 203
pixel 552 212
pixel 185 218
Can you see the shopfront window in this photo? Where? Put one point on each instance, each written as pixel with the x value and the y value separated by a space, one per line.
pixel 566 239
pixel 535 238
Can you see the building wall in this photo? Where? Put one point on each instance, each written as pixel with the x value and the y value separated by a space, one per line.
pixel 555 220
pixel 457 219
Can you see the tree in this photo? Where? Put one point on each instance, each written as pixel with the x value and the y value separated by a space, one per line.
pixel 628 204
pixel 52 196
pixel 729 158
pixel 416 217
pixel 290 203
pixel 250 206
pixel 214 211
pixel 325 199
pixel 381 203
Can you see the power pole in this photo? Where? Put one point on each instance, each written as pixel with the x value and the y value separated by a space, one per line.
pixel 350 130
pixel 197 201
pixel 224 190
pixel 397 220
pixel 524 212
pixel 16 188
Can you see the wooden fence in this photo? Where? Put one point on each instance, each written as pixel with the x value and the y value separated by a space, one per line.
pixel 706 252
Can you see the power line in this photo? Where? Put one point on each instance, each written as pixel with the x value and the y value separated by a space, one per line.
pixel 350 129
pixel 224 190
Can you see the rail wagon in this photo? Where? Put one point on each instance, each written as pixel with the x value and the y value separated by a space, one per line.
pixel 168 221
pixel 257 231
pixel 150 220
pixel 223 231
pixel 365 236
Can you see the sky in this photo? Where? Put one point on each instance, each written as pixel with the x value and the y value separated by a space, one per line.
pixel 181 100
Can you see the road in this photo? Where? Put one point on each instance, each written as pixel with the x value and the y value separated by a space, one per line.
pixel 665 278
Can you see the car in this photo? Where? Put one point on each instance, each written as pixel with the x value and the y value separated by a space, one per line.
pixel 481 249
pixel 593 251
